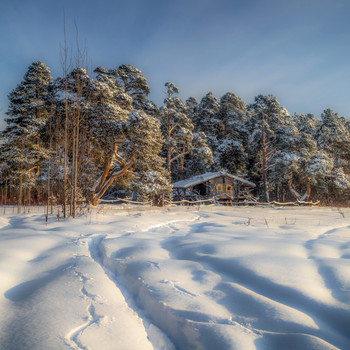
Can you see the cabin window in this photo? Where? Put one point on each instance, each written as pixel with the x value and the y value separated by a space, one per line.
pixel 228 188
pixel 218 188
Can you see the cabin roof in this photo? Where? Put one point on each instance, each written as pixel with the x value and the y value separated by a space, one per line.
pixel 195 180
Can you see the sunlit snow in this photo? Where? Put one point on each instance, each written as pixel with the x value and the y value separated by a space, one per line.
pixel 176 278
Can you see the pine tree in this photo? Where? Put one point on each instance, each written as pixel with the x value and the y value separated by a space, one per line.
pixel 107 112
pixel 191 105
pixel 150 179
pixel 332 136
pixel 273 143
pixel 177 130
pixel 200 160
pixel 309 159
pixel 306 123
pixel 206 119
pixel 333 140
pixel 230 153
pixel 132 82
pixel 122 137
pixel 29 108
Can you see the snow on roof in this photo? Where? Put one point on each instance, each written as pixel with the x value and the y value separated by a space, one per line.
pixel 195 180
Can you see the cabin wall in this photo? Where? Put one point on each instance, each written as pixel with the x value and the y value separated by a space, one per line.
pixel 222 187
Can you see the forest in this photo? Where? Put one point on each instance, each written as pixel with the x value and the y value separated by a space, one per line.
pixel 76 138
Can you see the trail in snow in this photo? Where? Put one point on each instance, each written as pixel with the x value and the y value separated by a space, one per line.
pixel 72 337
pixel 235 279
pixel 209 278
pixel 158 339
pixel 64 295
pixel 183 327
pixel 97 317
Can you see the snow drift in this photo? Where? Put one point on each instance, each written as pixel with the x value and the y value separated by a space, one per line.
pixel 177 278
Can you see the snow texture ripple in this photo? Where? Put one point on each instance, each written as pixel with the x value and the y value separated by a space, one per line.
pixel 177 278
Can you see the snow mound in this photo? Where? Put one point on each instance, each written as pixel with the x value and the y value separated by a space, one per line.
pixel 179 278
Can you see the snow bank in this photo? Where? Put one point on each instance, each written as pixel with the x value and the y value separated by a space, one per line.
pixel 185 278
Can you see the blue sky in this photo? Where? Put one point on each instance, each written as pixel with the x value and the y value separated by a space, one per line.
pixel 297 50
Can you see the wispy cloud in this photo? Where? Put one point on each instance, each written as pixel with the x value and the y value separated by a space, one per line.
pixel 297 50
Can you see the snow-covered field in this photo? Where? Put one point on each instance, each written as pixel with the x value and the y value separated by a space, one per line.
pixel 184 278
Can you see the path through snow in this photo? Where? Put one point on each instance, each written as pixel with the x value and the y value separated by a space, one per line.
pixel 185 278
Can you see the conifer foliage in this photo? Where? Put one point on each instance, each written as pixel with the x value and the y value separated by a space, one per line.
pixel 177 130
pixel 76 138
pixel 29 108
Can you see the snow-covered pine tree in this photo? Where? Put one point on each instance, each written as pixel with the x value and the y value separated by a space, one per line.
pixel 177 131
pixel 309 160
pixel 108 112
pixel 206 119
pixel 29 108
pixel 260 149
pixel 306 123
pixel 333 136
pixel 230 153
pixel 273 143
pixel 150 179
pixel 333 140
pixel 133 82
pixel 316 171
pixel 285 159
pixel 120 138
pixel 200 159
pixel 191 105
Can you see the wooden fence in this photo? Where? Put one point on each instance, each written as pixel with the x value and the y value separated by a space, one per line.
pixel 214 201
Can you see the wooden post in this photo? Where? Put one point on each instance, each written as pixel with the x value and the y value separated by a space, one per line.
pixel 20 195
pixel 5 196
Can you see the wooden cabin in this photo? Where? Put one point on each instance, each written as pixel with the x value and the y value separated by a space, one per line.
pixel 223 186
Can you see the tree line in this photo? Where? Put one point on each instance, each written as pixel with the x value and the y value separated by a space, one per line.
pixel 69 139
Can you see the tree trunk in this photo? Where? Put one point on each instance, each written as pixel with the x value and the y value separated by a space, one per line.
pixel 71 190
pixel 106 169
pixel 48 191
pixel 182 164
pixel 158 200
pixel 75 164
pixel 308 190
pixel 20 195
pixel 5 196
pixel 306 196
pixel 264 161
pixel 169 162
pixel 29 197
pixel 103 185
pixel 76 170
pixel 65 71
